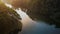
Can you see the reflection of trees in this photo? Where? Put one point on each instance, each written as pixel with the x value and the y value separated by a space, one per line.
pixel 9 20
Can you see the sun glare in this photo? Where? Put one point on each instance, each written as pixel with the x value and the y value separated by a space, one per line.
pixel 23 15
pixel 8 5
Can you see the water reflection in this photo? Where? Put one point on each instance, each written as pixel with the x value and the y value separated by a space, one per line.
pixel 36 27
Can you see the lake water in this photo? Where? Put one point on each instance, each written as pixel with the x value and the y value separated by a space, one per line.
pixel 36 27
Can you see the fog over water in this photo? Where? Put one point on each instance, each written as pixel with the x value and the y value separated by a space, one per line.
pixel 35 27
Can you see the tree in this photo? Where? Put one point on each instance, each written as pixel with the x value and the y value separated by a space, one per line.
pixel 9 20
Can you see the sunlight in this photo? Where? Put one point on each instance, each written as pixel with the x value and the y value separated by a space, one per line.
pixel 8 5
pixel 26 20
pixel 24 16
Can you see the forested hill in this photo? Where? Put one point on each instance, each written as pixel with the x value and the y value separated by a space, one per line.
pixel 9 20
